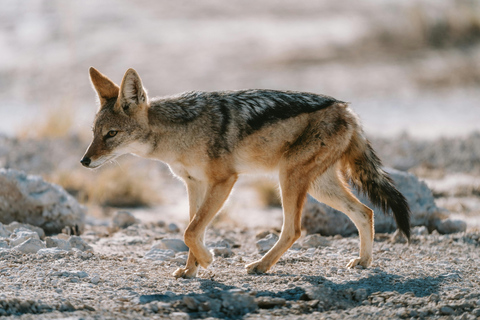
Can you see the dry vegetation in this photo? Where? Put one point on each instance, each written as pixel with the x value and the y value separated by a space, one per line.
pixel 115 185
pixel 268 192
pixel 57 123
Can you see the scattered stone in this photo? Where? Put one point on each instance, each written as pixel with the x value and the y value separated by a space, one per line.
pixel 4 232
pixel 446 310
pixel 55 252
pixel 78 243
pixel 398 237
pixel 448 226
pixel 21 235
pixel 30 199
pixel 237 303
pixel 159 223
pixel 476 312
pixel 270 302
pixel 221 248
pixel 315 241
pixel 31 245
pixel 123 219
pixel 180 258
pixel 223 252
pixel 173 228
pixel 63 236
pixel 176 245
pixel 265 244
pixel 319 292
pixel 95 279
pixel 66 307
pixel 309 253
pixel 263 234
pixel 160 254
pixel 420 231
pixel 17 225
pixel 57 243
pixel 360 295
pixel 191 303
pixel 179 316
pixel 78 274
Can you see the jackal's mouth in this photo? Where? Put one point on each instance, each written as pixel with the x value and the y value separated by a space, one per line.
pixel 93 164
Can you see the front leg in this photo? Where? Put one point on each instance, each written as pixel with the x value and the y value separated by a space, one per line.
pixel 196 194
pixel 216 194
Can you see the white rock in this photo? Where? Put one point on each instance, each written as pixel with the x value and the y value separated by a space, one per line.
pixel 179 316
pixel 160 254
pixel 4 232
pixel 173 228
pixel 180 258
pixel 57 252
pixel 448 226
pixel 32 245
pixel 21 235
pixel 17 225
pixel 79 243
pixel 221 248
pixel 224 252
pixel 78 273
pixel 265 244
pixel 314 241
pixel 123 219
pixel 176 245
pixel 30 199
pixel 420 231
pixel 57 243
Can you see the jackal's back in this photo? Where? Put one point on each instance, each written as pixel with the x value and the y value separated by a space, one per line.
pixel 233 115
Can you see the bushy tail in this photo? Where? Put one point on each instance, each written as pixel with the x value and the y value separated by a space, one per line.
pixel 364 169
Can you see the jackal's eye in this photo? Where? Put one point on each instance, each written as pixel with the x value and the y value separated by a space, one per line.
pixel 111 133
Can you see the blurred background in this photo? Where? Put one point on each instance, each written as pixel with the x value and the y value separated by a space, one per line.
pixel 411 70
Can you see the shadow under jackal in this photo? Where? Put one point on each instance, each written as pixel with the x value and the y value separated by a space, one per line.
pixel 314 142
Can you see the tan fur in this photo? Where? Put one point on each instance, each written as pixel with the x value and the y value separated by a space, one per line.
pixel 105 88
pixel 308 151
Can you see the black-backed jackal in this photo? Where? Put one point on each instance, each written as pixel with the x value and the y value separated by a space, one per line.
pixel 314 142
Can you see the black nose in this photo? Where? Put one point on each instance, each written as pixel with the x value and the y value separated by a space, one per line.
pixel 86 161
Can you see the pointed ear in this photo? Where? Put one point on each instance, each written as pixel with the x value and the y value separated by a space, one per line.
pixel 105 87
pixel 131 90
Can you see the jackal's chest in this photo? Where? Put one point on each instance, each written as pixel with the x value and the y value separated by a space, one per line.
pixel 188 171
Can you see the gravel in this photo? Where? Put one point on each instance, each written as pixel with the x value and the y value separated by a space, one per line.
pixel 435 276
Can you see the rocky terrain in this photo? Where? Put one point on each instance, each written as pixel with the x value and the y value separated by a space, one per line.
pixel 127 274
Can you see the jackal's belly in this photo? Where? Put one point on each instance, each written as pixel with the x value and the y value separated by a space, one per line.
pixel 263 152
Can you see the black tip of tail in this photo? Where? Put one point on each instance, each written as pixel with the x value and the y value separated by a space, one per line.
pixel 401 212
pixel 386 197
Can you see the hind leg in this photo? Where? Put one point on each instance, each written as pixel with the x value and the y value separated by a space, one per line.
pixel 331 189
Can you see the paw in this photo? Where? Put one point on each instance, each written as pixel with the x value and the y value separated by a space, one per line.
pixel 359 262
pixel 186 273
pixel 256 268
pixel 205 259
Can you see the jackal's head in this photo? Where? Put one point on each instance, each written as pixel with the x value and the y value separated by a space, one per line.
pixel 121 123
